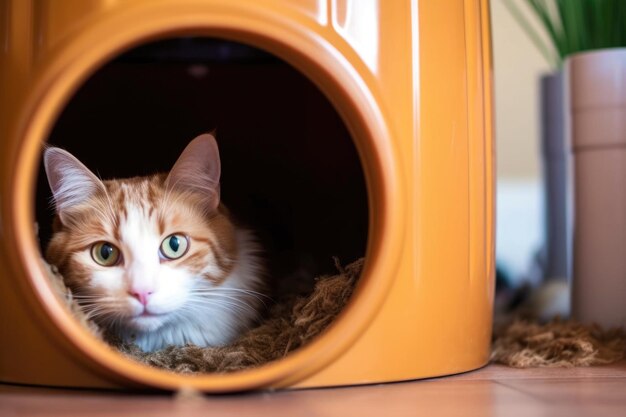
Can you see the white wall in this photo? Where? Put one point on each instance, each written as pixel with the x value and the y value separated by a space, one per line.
pixel 517 68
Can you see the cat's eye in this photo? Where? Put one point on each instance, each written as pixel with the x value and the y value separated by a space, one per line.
pixel 174 246
pixel 105 254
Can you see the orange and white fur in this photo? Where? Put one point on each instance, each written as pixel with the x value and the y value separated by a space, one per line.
pixel 157 259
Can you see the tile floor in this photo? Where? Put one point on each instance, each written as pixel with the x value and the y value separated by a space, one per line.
pixel 491 391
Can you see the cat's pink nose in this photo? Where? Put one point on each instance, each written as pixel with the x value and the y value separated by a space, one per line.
pixel 142 296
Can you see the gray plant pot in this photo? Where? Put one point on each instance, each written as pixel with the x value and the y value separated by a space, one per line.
pixel 596 100
pixel 554 165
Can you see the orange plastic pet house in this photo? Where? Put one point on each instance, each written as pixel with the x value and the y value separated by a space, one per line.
pixel 411 80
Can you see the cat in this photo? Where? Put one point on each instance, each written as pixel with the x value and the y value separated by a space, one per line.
pixel 155 260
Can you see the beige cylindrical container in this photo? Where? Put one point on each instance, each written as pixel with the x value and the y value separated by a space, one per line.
pixel 596 83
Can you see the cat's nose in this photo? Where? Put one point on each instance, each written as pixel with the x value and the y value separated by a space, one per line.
pixel 142 296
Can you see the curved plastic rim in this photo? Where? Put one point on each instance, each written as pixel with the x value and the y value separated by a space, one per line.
pixel 315 58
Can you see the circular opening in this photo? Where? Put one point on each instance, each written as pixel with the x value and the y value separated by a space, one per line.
pixel 320 63
pixel 290 179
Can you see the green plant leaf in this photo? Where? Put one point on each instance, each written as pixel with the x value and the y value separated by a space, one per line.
pixel 548 52
pixel 573 25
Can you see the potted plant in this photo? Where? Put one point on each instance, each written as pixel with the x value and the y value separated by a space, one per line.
pixel 586 38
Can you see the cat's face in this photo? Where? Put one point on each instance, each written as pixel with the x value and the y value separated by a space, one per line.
pixel 141 252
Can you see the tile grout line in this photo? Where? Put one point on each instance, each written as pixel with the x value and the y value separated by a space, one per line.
pixel 521 391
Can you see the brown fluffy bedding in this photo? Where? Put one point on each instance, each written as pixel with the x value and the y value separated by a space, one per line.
pixel 295 320
pixel 289 324
pixel 525 343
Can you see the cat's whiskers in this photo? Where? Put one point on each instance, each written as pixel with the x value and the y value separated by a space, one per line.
pixel 221 304
pixel 224 297
pixel 97 307
pixel 246 299
pixel 116 320
pixel 220 291
pixel 237 304
pixel 96 313
pixel 93 297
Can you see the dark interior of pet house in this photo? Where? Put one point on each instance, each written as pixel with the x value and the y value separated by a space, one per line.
pixel 290 170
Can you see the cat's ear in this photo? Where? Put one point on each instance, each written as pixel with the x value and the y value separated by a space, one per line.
pixel 71 182
pixel 198 170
